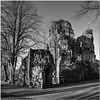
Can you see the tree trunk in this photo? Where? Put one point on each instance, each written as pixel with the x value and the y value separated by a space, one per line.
pixel 6 75
pixel 10 76
pixel 24 78
pixel 5 71
pixel 10 71
pixel 56 58
pixel 13 75
pixel 14 61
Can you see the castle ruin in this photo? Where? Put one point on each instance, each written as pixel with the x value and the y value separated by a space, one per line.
pixel 63 51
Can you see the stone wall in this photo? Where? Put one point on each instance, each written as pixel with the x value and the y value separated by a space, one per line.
pixel 39 60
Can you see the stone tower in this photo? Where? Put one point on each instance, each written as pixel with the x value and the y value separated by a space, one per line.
pixel 85 46
pixel 61 45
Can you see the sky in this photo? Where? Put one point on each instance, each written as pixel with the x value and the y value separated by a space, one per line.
pixel 55 10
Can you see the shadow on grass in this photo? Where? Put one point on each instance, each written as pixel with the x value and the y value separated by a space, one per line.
pixel 73 84
pixel 31 92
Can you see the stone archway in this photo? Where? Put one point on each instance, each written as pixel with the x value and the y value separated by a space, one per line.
pixel 47 77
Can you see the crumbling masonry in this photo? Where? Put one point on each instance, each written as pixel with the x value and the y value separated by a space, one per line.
pixel 63 50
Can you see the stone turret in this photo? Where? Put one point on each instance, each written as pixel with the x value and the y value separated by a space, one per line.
pixel 85 45
pixel 63 34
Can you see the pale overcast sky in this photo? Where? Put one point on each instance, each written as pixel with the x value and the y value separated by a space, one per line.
pixel 55 10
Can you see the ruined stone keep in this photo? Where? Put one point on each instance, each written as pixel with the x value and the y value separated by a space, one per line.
pixel 66 49
pixel 43 67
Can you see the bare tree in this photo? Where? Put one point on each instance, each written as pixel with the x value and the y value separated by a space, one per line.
pixel 88 7
pixel 20 24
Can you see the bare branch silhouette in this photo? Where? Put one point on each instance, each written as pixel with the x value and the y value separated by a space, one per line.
pixel 88 7
pixel 20 25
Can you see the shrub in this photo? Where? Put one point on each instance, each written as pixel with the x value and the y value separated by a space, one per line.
pixel 84 71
